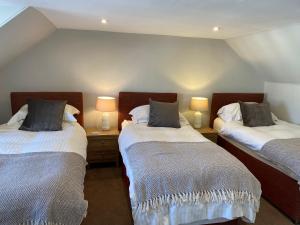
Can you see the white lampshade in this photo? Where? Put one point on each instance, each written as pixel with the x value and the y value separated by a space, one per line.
pixel 199 104
pixel 106 104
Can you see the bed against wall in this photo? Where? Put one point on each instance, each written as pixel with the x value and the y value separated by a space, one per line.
pixel 281 190
pixel 57 156
pixel 127 101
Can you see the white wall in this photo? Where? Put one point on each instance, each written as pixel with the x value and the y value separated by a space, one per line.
pixel 104 63
pixel 274 54
pixel 284 100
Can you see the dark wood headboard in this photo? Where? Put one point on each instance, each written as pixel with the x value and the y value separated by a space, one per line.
pixel 18 99
pixel 221 99
pixel 130 100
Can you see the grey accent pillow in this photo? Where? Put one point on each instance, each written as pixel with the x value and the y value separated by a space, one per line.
pixel 44 115
pixel 163 114
pixel 256 114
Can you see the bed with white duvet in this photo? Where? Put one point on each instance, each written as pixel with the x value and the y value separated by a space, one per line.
pixel 179 177
pixel 278 144
pixel 42 175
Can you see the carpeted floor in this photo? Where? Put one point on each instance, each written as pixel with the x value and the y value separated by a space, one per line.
pixel 108 203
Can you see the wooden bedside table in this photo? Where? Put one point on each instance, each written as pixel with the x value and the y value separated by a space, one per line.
pixel 102 146
pixel 209 133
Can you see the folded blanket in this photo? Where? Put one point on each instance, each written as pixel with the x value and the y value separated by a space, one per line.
pixel 168 173
pixel 285 152
pixel 42 189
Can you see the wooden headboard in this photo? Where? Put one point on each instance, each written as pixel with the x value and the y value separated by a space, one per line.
pixel 18 99
pixel 130 100
pixel 221 99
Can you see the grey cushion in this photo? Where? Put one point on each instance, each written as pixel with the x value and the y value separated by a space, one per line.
pixel 44 115
pixel 255 115
pixel 163 114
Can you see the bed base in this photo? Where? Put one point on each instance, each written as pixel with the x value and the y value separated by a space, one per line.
pixel 279 189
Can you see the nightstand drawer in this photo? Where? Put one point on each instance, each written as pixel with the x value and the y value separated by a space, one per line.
pixel 94 156
pixel 103 145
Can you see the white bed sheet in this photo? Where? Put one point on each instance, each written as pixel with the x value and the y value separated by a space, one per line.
pixel 135 133
pixel 71 139
pixel 217 212
pixel 255 137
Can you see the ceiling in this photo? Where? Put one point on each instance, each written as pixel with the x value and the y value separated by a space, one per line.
pixel 188 18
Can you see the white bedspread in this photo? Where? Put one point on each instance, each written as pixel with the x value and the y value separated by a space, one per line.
pixel 136 133
pixel 256 137
pixel 216 212
pixel 71 139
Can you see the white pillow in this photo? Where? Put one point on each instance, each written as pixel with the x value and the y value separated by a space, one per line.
pixel 140 114
pixel 19 116
pixel 69 113
pixel 232 112
pixel 274 117
pixel 183 121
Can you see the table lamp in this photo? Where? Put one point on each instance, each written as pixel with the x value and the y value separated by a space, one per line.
pixel 105 105
pixel 199 104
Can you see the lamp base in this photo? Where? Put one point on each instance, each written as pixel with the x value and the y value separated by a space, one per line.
pixel 105 121
pixel 197 120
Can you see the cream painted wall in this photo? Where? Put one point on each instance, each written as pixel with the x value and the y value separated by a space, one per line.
pixel 274 54
pixel 284 100
pixel 104 63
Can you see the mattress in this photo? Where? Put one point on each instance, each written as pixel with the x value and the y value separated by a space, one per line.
pixel 219 125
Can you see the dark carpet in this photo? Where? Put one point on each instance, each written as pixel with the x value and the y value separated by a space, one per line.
pixel 108 204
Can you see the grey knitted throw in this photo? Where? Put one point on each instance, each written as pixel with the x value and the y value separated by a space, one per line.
pixel 285 152
pixel 42 189
pixel 168 173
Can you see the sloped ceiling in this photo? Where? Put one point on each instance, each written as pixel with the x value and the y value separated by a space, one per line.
pixel 188 18
pixel 22 32
pixel 275 54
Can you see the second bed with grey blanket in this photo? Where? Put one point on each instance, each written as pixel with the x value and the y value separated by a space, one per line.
pixel 168 173
pixel 42 189
pixel 284 152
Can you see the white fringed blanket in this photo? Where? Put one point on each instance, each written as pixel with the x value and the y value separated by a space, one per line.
pixel 166 174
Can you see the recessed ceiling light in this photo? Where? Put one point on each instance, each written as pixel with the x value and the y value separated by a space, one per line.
pixel 216 29
pixel 104 21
